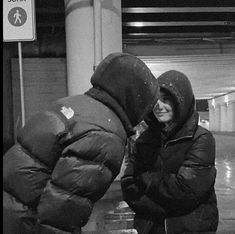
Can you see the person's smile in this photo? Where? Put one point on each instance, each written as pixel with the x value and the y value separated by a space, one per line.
pixel 163 109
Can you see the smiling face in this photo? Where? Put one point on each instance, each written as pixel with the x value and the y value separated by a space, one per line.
pixel 163 110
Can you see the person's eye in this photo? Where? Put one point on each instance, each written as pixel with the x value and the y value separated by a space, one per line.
pixel 165 98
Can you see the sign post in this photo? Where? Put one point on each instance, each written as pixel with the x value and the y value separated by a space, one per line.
pixel 21 84
pixel 19 25
pixel 19 20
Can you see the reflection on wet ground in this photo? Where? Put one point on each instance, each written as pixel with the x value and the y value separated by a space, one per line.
pixel 225 182
pixel 225 175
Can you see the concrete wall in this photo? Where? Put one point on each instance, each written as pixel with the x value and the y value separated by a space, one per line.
pixel 7 109
pixel 222 113
pixel 45 46
pixel 44 82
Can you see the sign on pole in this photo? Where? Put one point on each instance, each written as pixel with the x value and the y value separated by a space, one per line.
pixel 19 20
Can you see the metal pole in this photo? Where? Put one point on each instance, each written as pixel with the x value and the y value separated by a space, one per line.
pixel 97 15
pixel 21 84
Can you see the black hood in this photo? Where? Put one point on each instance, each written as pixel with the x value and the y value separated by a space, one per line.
pixel 128 81
pixel 186 118
pixel 179 86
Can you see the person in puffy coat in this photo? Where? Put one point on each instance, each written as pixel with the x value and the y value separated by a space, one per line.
pixel 170 173
pixel 66 158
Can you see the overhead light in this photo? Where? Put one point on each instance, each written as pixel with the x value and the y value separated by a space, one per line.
pixel 213 103
pixel 136 24
pixel 226 99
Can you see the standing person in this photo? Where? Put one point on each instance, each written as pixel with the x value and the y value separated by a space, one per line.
pixel 170 174
pixel 66 158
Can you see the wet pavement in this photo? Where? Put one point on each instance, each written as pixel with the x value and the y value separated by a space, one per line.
pixel 111 215
pixel 225 182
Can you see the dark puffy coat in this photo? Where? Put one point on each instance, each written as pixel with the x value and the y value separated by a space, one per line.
pixel 66 158
pixel 169 178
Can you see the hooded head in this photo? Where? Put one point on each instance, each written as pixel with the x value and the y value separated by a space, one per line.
pixel 179 87
pixel 129 82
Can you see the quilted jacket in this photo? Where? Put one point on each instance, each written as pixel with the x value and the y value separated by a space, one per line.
pixel 66 158
pixel 169 178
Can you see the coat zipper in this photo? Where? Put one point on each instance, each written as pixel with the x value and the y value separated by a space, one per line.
pixel 175 140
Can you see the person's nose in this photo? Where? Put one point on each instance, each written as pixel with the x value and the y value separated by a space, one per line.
pixel 159 105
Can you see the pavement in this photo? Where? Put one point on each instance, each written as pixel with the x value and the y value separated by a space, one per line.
pixel 225 181
pixel 111 215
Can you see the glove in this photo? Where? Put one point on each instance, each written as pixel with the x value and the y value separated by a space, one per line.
pixel 130 189
pixel 127 181
pixel 146 179
pixel 143 224
pixel 143 181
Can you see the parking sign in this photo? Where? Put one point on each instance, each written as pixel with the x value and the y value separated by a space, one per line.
pixel 19 20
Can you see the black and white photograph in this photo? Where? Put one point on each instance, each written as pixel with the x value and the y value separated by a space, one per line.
pixel 118 117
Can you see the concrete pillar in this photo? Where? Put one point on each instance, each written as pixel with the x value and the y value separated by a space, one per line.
pixel 223 117
pixel 217 117
pixel 93 30
pixel 111 26
pixel 231 116
pixel 222 113
pixel 211 118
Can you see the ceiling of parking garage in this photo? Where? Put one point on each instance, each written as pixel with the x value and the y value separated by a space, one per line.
pixel 169 21
pixel 174 20
pixel 152 21
pixel 211 76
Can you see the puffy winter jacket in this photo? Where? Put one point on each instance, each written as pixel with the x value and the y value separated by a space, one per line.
pixel 169 179
pixel 66 157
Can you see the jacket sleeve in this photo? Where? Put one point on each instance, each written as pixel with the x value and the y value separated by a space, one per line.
pixel 191 185
pixel 81 176
pixel 27 167
pixel 32 159
pixel 137 200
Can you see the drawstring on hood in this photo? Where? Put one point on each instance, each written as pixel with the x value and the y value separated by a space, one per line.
pixel 130 84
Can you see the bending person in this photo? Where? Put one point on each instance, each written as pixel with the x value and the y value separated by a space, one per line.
pixel 66 158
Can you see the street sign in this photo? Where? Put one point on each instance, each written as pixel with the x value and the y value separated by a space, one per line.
pixel 19 20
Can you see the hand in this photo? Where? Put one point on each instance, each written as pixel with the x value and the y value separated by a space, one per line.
pixel 127 181
pixel 146 179
pixel 130 189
